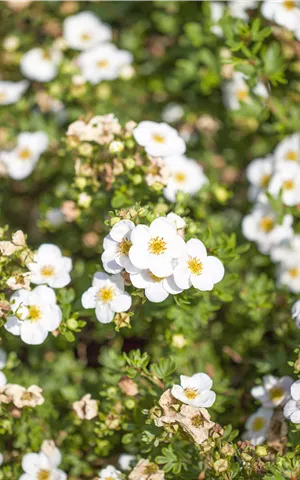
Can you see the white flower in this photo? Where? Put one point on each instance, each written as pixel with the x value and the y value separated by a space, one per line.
pixel 261 226
pixel 3 379
pixel 178 221
pixel 296 313
pixel 172 113
pixel 35 314
pixel 50 267
pixel 195 391
pixel 22 159
pixel 159 139
pixel 274 391
pixel 40 65
pixel 288 150
pixel 103 62
pixel 259 173
pixel 289 275
pixel 11 92
pixel 185 175
pixel 287 180
pixel 126 460
pixel 107 296
pixel 257 425
pixel 287 251
pixel 282 12
pixel 196 268
pixel 157 289
pixel 238 9
pixel 109 473
pixel 85 30
pixel 237 91
pixel 116 248
pixel 39 466
pixel 217 12
pixel 156 247
pixel 292 408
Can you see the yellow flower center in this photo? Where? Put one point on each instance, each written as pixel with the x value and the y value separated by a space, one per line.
pixel 44 475
pixel 180 177
pixel 103 63
pixel 288 185
pixel 191 393
pixel 34 313
pixel 258 424
pixel 265 180
pixel 158 138
pixel 157 246
pixel 106 294
pixel 195 266
pixel 125 246
pixel 3 96
pixel 266 224
pixel 289 4
pixel 24 154
pixel 85 37
pixel 27 396
pixel 294 272
pixel 47 271
pixel 242 95
pixel 46 56
pixel 292 155
pixel 276 394
pixel 155 278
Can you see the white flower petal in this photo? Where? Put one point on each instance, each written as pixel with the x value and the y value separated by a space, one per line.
pixel 121 303
pixel 104 313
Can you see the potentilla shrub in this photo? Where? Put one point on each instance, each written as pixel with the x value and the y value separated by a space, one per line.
pixel 149 240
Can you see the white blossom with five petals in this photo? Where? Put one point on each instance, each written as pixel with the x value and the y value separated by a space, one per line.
pixel 50 267
pixel 107 296
pixel 195 391
pixel 196 268
pixel 159 139
pixel 35 314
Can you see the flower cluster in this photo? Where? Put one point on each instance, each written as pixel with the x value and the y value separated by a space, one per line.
pixel 34 312
pixel 274 393
pixel 276 178
pixel 20 396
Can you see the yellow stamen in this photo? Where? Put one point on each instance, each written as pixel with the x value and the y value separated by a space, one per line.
pixel 191 393
pixel 24 154
pixel 34 313
pixel 106 294
pixel 242 95
pixel 158 138
pixel 27 396
pixel 276 394
pixel 288 185
pixel 125 246
pixel 3 96
pixel 103 63
pixel 195 266
pixel 46 56
pixel 155 278
pixel 157 246
pixel 264 181
pixel 294 272
pixel 292 155
pixel 258 424
pixel 47 271
pixel 266 224
pixel 44 475
pixel 180 177
pixel 85 37
pixel 289 4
